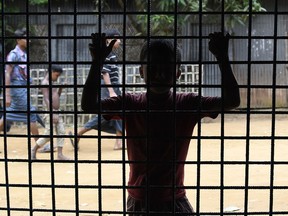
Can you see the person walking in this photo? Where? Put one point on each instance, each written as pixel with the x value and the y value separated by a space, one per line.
pixel 16 74
pixel 54 107
pixel 110 81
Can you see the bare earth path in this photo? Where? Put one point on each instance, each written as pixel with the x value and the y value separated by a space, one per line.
pixel 235 152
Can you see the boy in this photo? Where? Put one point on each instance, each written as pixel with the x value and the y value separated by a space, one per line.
pixel 16 73
pixel 160 122
pixel 110 77
pixel 55 73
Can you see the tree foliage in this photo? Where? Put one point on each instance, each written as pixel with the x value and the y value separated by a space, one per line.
pixel 38 2
pixel 162 20
pixel 12 6
pixel 244 6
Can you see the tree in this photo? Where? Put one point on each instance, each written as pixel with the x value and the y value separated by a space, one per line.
pixel 237 6
pixel 163 17
pixel 38 46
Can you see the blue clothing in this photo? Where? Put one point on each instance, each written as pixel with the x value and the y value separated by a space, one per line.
pixel 19 110
pixel 112 69
pixel 19 102
pixel 8 126
pixel 19 70
pixel 108 126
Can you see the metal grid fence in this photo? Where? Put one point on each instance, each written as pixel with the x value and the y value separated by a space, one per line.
pixel 88 181
pixel 190 76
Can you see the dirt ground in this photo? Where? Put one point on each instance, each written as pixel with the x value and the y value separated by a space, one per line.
pixel 63 177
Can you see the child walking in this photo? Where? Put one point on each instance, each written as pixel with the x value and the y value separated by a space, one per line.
pixel 109 78
pixel 16 74
pixel 58 123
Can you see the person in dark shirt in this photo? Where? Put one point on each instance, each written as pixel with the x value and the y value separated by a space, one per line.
pixel 160 121
pixel 110 78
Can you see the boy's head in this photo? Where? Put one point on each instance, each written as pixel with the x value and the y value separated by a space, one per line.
pixel 163 64
pixel 56 71
pixel 111 34
pixel 20 35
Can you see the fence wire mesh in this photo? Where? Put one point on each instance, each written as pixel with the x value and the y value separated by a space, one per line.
pixel 236 164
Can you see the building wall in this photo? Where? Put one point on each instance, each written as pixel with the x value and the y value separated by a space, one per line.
pixel 70 38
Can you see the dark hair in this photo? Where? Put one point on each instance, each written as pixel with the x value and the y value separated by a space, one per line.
pixel 163 57
pixel 56 68
pixel 111 32
pixel 160 50
pixel 20 33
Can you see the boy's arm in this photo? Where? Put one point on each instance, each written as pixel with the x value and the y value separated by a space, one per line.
pixel 99 51
pixel 8 72
pixel 45 92
pixel 12 57
pixel 218 45
pixel 60 89
pixel 107 81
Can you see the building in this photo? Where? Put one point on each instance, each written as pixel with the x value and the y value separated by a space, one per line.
pixel 259 65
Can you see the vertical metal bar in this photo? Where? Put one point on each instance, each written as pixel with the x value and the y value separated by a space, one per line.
pixel 174 160
pixel 53 192
pixel 199 126
pixel 272 168
pixel 6 162
pixel 75 39
pixel 28 108
pixel 148 138
pixel 247 161
pixel 51 153
pixel 99 123
pixel 123 111
pixel 222 122
pixel 75 107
